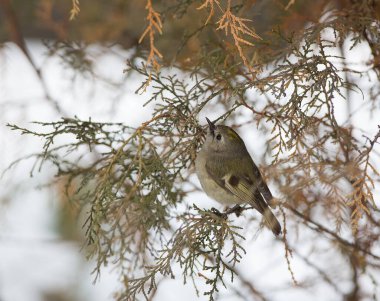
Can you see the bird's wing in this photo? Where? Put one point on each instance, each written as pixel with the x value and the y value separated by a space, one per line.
pixel 245 189
pixel 262 186
pixel 238 184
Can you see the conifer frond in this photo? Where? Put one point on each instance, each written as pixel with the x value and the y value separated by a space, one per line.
pixel 200 246
pixel 154 26
pixel 75 9
pixel 232 25
pixel 237 27
pixel 362 194
pixel 211 4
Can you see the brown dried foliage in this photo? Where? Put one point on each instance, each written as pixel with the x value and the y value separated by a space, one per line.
pixel 75 9
pixel 154 26
pixel 232 25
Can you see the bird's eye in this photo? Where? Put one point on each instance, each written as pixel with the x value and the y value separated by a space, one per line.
pixel 218 137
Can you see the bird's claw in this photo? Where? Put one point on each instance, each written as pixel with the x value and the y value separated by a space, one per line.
pixel 218 213
pixel 237 209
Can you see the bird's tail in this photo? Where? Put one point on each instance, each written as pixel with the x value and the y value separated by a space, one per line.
pixel 271 221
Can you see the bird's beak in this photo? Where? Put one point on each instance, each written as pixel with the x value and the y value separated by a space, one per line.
pixel 211 125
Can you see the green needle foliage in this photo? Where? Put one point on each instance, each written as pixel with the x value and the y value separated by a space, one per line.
pixel 132 182
pixel 198 246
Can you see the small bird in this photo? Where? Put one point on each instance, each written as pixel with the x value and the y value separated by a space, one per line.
pixel 228 174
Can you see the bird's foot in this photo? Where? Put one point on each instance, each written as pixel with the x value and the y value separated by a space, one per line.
pixel 218 213
pixel 237 209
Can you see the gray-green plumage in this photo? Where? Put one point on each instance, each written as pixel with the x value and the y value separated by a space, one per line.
pixel 228 174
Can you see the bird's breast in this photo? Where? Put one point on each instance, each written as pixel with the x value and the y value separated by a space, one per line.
pixel 211 188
